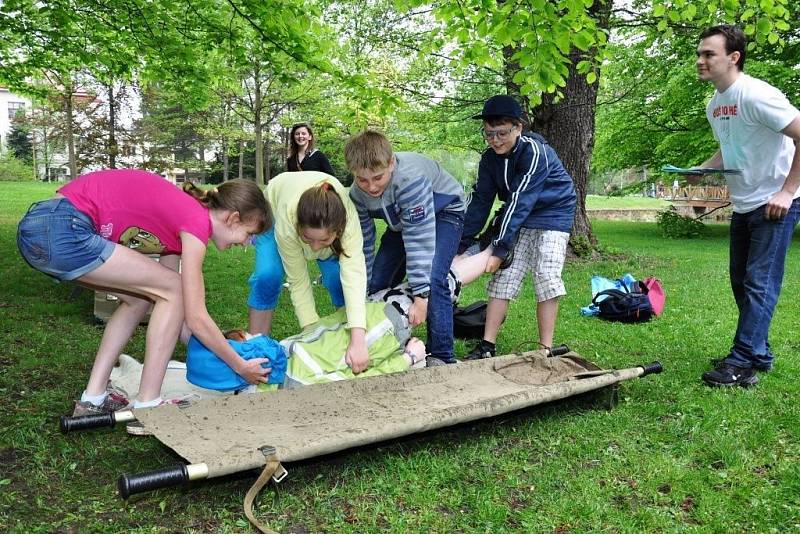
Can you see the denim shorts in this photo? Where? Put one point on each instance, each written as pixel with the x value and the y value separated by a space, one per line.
pixel 60 241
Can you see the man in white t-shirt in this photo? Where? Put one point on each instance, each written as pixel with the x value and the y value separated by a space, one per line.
pixel 757 129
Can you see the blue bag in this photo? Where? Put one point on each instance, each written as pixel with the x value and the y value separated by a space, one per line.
pixel 207 370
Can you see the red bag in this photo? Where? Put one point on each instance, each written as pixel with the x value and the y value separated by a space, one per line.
pixel 655 293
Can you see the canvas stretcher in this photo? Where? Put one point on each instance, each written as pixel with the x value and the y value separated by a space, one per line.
pixel 225 435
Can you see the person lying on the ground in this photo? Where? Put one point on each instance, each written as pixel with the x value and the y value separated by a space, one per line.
pixel 316 355
pixel 313 356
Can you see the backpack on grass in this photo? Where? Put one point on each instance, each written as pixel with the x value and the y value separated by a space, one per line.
pixel 633 303
pixel 469 321
pixel 627 307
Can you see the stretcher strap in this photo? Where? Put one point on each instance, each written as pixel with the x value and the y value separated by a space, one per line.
pixel 270 468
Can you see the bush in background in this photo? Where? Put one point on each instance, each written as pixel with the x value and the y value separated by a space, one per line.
pixel 14 170
pixel 673 224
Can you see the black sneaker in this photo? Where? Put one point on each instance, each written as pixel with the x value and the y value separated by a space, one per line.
pixel 761 368
pixel 480 352
pixel 725 375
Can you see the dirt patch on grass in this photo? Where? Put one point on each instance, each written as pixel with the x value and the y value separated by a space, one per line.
pixel 7 457
pixel 15 470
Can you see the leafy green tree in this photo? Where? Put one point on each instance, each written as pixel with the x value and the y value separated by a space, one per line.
pixel 46 122
pixel 652 108
pixel 550 54
pixel 19 140
pixel 168 133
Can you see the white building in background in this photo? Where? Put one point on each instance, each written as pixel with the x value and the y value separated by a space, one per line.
pixel 57 165
pixel 10 105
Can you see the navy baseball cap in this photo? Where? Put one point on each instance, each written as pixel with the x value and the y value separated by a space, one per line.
pixel 500 106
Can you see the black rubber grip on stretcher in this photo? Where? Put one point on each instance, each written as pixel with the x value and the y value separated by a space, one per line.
pixel 84 422
pixel 560 350
pixel 163 478
pixel 652 368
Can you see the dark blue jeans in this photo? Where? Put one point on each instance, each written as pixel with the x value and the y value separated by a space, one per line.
pixel 757 258
pixel 389 269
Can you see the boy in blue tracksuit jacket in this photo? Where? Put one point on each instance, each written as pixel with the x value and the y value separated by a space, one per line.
pixel 423 207
pixel 522 170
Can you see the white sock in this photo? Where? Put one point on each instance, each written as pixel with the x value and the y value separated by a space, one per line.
pixel 146 404
pixel 97 400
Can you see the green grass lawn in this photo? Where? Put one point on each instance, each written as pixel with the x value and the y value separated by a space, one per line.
pixel 627 202
pixel 673 456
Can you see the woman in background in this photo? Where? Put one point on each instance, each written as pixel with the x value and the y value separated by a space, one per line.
pixel 302 154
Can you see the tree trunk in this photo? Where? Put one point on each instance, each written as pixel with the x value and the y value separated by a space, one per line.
pixel 202 152
pixel 568 125
pixel 285 143
pixel 225 160
pixel 242 147
pixel 46 162
pixel 33 143
pixel 257 123
pixel 112 127
pixel 267 170
pixel 73 164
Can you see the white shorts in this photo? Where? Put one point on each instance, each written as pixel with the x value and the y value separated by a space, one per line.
pixel 543 253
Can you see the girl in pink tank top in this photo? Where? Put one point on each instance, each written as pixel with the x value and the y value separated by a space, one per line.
pixel 97 231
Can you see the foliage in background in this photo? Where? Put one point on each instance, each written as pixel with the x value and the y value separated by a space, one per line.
pixel 651 108
pixel 13 169
pixel 417 71
pixel 18 141
pixel 675 225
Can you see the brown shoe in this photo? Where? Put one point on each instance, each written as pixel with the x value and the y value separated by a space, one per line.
pixel 116 399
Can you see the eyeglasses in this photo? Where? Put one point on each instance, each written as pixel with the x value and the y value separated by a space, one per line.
pixel 502 135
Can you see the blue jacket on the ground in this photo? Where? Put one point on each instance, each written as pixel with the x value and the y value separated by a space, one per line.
pixel 537 190
pixel 207 370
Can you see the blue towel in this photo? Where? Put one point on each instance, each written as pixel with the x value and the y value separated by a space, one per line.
pixel 207 370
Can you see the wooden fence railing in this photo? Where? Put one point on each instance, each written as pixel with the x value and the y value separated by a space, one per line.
pixel 694 192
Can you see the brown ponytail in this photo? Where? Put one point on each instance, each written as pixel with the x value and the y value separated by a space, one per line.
pixel 321 207
pixel 240 195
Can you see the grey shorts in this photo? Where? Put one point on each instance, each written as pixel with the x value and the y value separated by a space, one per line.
pixel 542 252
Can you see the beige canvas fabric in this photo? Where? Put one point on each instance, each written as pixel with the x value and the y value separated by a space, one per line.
pixel 227 433
pixel 128 374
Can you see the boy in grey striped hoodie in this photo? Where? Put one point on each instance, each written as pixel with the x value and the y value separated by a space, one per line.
pixel 423 207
